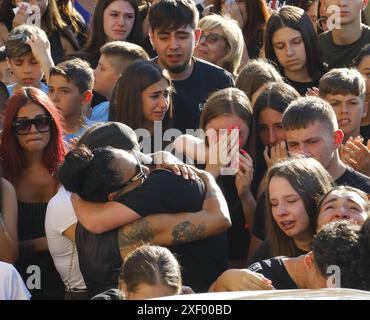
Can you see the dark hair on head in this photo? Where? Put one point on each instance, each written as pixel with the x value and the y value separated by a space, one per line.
pixel 170 15
pixel 126 101
pixel 16 46
pixel 97 37
pixel 14 160
pixel 306 4
pixel 364 256
pixel 364 52
pixel 151 265
pixel 295 18
pixel 342 81
pixel 337 244
pixel 226 102
pixel 76 70
pixel 311 181
pixel 121 54
pixel 255 74
pixel 307 110
pixel 276 96
pixel 92 174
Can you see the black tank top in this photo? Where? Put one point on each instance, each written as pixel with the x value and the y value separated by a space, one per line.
pixel 31 225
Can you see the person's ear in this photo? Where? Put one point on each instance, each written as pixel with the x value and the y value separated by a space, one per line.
pixel 87 96
pixel 111 196
pixel 366 109
pixel 8 62
pixel 151 37
pixel 364 4
pixel 197 34
pixel 308 261
pixel 338 138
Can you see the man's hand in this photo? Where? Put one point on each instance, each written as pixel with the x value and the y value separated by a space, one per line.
pixel 355 154
pixel 241 280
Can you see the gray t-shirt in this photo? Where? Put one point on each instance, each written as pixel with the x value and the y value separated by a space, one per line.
pixel 337 56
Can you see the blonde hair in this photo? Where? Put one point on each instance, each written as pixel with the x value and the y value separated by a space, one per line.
pixel 234 37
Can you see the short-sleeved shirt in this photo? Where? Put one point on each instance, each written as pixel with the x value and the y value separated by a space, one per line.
pixel 202 261
pixel 59 217
pixel 191 94
pixel 336 56
pixel 274 270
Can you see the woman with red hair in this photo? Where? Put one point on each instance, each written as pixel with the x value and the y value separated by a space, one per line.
pixel 31 149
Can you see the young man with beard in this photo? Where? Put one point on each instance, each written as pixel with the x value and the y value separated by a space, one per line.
pixel 173 34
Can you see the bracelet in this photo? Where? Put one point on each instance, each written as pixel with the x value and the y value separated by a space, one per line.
pixel 210 194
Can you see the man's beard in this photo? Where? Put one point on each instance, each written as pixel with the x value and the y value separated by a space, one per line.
pixel 177 69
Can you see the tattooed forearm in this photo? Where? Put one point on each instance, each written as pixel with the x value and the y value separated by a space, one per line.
pixel 135 233
pixel 186 232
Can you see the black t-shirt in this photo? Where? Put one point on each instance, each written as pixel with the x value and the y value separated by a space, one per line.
pixel 238 237
pixel 354 179
pixel 264 252
pixel 342 56
pixel 274 270
pixel 365 133
pixel 202 261
pixel 302 87
pixel 260 217
pixel 191 94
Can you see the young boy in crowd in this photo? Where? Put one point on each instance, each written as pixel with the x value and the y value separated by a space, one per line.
pixel 311 128
pixel 28 55
pixel 115 57
pixel 345 90
pixel 70 88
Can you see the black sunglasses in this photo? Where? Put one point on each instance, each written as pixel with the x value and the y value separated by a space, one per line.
pixel 212 37
pixel 140 174
pixel 23 126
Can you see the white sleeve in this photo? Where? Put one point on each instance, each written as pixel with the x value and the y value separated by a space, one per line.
pixel 60 213
pixel 12 286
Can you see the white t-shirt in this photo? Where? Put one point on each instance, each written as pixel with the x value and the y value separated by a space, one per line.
pixel 12 286
pixel 59 217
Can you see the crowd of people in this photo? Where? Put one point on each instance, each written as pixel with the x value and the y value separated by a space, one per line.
pixel 157 148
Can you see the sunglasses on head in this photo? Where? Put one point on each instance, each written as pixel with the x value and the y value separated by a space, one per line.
pixel 212 37
pixel 23 126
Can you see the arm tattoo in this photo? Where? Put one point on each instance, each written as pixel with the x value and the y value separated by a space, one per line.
pixel 186 232
pixel 135 233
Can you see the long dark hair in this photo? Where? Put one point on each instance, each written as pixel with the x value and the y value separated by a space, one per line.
pixel 97 36
pixel 311 181
pixel 126 102
pixel 295 18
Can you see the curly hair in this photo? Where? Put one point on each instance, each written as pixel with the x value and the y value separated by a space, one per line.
pixel 338 243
